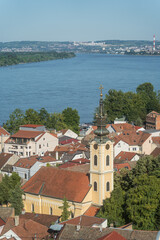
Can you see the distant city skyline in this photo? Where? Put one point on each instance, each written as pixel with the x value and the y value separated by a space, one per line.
pixel 73 20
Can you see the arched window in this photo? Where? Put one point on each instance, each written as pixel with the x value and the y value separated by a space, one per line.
pixel 51 211
pixel 107 160
pixel 32 207
pixel 95 160
pixel 107 186
pixel 95 186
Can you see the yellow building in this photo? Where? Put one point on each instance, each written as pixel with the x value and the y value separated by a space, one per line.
pixel 45 191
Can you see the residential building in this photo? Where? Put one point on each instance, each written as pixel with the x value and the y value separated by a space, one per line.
pixel 7 158
pixel 30 142
pixel 127 156
pixel 27 167
pixel 153 120
pixel 4 135
pixel 132 141
pixel 67 133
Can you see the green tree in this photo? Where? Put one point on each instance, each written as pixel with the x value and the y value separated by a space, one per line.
pixel 142 202
pixel 65 212
pixel 44 116
pixel 32 117
pixel 15 199
pixel 71 119
pixel 113 208
pixel 16 119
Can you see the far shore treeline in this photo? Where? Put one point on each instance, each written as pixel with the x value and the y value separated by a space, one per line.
pixel 13 58
pixel 134 106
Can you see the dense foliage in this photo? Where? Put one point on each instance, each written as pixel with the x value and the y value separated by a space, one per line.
pixel 136 196
pixel 11 193
pixel 28 57
pixel 69 118
pixel 134 106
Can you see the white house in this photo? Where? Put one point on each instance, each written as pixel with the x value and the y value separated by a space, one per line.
pixel 30 142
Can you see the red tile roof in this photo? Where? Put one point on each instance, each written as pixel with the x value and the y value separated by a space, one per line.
pixel 73 185
pixel 73 147
pixel 81 160
pixel 132 137
pixel 3 131
pixel 4 157
pixel 85 221
pixel 27 134
pixel 156 152
pixel 2 223
pixel 92 211
pixel 31 125
pixel 30 161
pixel 156 140
pixel 125 156
pixel 119 166
pixel 112 236
pixel 68 164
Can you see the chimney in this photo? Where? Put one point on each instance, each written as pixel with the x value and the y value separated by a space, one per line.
pixel 16 221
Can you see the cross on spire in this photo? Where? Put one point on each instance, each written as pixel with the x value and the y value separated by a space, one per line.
pixel 101 87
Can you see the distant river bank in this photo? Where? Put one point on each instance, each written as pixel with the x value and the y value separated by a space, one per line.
pixel 74 82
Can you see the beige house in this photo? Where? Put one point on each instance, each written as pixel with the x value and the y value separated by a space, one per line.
pixel 4 135
pixel 30 141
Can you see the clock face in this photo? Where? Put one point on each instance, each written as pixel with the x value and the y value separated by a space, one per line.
pixel 107 146
pixel 95 146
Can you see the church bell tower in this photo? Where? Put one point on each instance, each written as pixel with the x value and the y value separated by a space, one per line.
pixel 101 159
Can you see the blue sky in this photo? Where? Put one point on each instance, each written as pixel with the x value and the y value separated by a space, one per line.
pixel 79 20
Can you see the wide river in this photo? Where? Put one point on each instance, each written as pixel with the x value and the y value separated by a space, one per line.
pixel 58 84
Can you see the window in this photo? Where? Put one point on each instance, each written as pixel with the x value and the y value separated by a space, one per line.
pixel 32 207
pixel 107 146
pixel 39 145
pixel 95 186
pixel 95 160
pixel 95 146
pixel 47 145
pixel 43 139
pixel 107 160
pixel 51 211
pixel 107 186
pixel 25 175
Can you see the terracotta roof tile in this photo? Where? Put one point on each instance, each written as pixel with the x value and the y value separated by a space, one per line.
pixel 85 221
pixel 25 162
pixel 112 236
pixel 4 157
pixel 119 166
pixel 92 211
pixel 125 156
pixel 156 140
pixel 73 185
pixel 31 125
pixel 27 134
pixel 156 152
pixel 3 131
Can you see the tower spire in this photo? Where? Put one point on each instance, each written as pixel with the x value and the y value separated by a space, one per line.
pixel 101 131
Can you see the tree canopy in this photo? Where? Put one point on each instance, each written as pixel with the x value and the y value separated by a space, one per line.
pixel 134 106
pixel 69 118
pixel 136 196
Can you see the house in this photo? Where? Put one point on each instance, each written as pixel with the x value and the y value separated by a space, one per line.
pixel 156 152
pixel 19 228
pixel 127 156
pixel 27 167
pixel 68 133
pixel 153 120
pixel 7 158
pixel 132 141
pixel 91 233
pixel 4 135
pixel 119 166
pixel 89 221
pixel 29 141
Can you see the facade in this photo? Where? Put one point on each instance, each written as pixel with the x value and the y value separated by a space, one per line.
pixel 26 143
pixel 153 120
pixel 4 135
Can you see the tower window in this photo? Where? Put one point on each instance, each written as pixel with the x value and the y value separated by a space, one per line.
pixel 107 146
pixel 95 146
pixel 107 160
pixel 95 186
pixel 51 211
pixel 95 160
pixel 107 186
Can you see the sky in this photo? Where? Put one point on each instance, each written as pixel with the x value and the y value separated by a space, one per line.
pixel 79 20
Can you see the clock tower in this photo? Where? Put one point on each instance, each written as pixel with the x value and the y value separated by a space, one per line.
pixel 101 159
